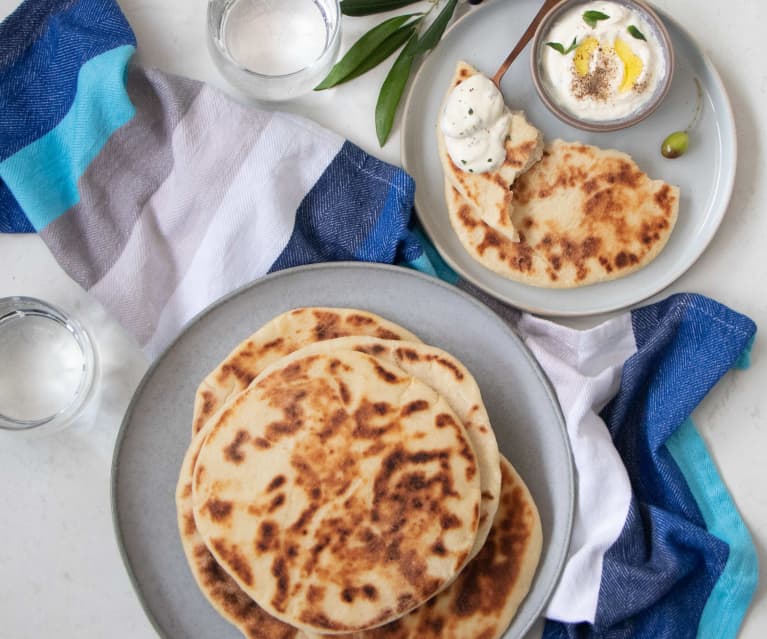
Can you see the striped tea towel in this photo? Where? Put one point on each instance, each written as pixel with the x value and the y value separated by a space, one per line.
pixel 159 195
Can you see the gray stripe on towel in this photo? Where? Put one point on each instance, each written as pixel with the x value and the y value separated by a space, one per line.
pixel 90 236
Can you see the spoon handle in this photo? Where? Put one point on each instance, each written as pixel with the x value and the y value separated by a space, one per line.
pixel 526 36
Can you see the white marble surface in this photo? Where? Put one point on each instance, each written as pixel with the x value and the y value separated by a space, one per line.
pixel 60 570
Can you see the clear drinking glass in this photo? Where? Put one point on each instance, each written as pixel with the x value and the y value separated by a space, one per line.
pixel 48 366
pixel 274 49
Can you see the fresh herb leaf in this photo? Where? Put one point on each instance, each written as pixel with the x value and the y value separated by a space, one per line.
pixel 361 50
pixel 431 36
pixel 389 46
pixel 368 7
pixel 636 33
pixel 557 46
pixel 392 89
pixel 592 17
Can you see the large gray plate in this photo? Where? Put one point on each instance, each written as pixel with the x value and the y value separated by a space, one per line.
pixel 157 427
pixel 705 174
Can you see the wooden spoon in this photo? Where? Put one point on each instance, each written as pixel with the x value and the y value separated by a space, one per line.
pixel 526 36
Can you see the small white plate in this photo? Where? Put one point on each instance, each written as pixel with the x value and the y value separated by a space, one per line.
pixel 705 174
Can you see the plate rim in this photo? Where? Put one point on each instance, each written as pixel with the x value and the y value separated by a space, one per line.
pixel 540 374
pixel 728 117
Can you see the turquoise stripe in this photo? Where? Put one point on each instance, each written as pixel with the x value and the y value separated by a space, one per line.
pixel 430 261
pixel 735 587
pixel 744 361
pixel 43 175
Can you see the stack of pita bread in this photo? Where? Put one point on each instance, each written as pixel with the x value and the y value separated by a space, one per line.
pixel 343 479
pixel 559 215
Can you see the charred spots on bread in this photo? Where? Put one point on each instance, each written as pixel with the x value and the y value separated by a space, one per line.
pixel 230 555
pixel 327 325
pixel 385 333
pixel 277 501
pixel 415 406
pixel 278 481
pixel 235 368
pixel 233 452
pixel 218 509
pixel 384 373
pixel 446 363
pixel 369 420
pixel 268 536
pixel 315 593
pixel 357 320
pixel 276 343
pixel 665 200
pixel 407 354
pixel 280 573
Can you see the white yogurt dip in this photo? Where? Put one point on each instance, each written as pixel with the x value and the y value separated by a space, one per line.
pixel 613 67
pixel 475 123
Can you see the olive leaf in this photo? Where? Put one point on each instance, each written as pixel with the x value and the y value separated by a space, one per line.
pixel 389 46
pixel 368 7
pixel 363 49
pixel 431 36
pixel 558 46
pixel 592 17
pixel 636 33
pixel 392 89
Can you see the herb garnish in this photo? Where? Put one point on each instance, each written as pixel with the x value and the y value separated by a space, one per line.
pixel 381 42
pixel 557 46
pixel 592 17
pixel 636 33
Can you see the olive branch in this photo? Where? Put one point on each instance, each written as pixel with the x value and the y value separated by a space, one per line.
pixel 407 32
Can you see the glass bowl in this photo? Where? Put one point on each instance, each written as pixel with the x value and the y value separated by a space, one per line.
pixel 547 94
pixel 274 49
pixel 48 366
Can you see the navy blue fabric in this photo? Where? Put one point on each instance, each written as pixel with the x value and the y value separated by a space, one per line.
pixel 345 209
pixel 43 44
pixel 12 218
pixel 658 575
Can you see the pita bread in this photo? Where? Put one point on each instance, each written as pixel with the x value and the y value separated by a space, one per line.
pixel 584 215
pixel 215 583
pixel 486 596
pixel 280 336
pixel 489 193
pixel 338 492
pixel 435 367
pixel 451 379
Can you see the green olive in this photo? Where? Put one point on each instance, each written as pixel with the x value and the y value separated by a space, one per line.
pixel 675 144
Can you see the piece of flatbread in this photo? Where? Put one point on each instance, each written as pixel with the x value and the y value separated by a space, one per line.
pixel 452 380
pixel 485 597
pixel 584 215
pixel 215 583
pixel 441 371
pixel 280 336
pixel 489 194
pixel 338 491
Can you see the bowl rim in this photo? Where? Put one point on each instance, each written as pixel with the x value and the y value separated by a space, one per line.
pixel 214 35
pixel 602 126
pixel 16 307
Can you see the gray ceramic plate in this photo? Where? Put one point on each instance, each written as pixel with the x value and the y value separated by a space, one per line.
pixel 157 427
pixel 705 174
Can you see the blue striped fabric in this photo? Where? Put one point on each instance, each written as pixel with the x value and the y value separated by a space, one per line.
pixel 683 564
pixel 43 45
pixel 368 223
pixel 43 175
pixel 659 575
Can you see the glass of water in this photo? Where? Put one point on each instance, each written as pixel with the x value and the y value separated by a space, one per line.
pixel 274 49
pixel 48 366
